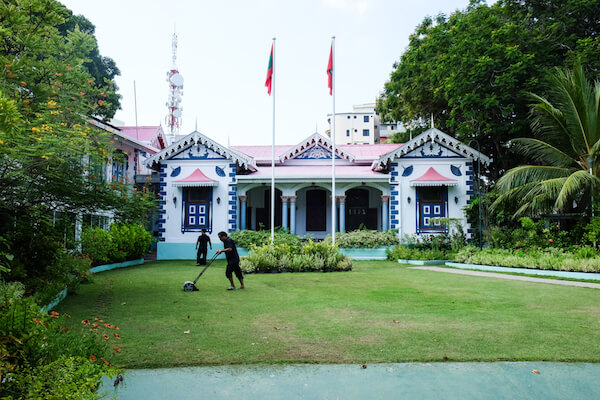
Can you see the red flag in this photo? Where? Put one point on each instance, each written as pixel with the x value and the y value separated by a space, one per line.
pixel 270 72
pixel 330 71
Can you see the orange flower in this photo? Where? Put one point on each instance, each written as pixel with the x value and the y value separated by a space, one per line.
pixel 93 358
pixel 117 336
pixel 69 68
pixel 23 83
pixel 117 349
pixel 85 322
pixel 81 93
pixel 39 321
pixel 68 316
pixel 95 325
pixel 105 336
pixel 105 362
pixel 98 319
pixel 58 74
pixel 54 314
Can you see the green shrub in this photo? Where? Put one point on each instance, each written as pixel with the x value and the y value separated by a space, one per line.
pixel 46 356
pixel 364 239
pixel 283 257
pixel 401 252
pixel 97 244
pixel 537 258
pixel 122 242
pixel 248 238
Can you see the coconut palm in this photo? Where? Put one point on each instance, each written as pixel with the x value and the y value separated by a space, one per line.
pixel 565 150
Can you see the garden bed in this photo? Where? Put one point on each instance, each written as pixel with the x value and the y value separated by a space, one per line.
pixel 528 271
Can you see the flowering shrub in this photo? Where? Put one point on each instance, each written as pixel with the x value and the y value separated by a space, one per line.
pixel 41 357
pixel 284 258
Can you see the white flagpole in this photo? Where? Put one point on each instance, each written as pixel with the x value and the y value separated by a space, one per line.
pixel 273 154
pixel 333 205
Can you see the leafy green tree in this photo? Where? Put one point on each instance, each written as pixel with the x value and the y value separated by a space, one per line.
pixel 47 149
pixel 471 70
pixel 566 149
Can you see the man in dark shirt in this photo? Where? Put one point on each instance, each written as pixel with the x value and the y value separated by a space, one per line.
pixel 233 260
pixel 201 245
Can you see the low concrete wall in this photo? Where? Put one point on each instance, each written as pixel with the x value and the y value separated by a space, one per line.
pixel 187 251
pixel 422 262
pixel 530 271
pixel 108 267
pixel 59 297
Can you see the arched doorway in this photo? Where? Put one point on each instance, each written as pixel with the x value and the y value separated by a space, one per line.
pixel 258 213
pixel 316 210
pixel 358 211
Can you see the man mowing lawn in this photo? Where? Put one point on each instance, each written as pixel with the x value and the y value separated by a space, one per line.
pixel 233 260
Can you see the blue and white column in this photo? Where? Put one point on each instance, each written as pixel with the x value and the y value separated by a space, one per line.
pixel 242 212
pixel 292 214
pixel 342 216
pixel 284 211
pixel 385 207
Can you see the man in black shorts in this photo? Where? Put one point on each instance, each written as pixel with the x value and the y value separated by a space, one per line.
pixel 233 260
pixel 201 245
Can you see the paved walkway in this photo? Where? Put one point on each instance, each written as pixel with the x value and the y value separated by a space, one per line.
pixel 511 277
pixel 448 381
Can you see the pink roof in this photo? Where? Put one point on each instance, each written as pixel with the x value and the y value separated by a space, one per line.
pixel 262 152
pixel 307 172
pixel 432 178
pixel 196 178
pixel 369 151
pixel 142 133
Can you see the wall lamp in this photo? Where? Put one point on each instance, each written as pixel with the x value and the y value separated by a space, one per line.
pixel 218 200
pixel 456 199
pixel 408 199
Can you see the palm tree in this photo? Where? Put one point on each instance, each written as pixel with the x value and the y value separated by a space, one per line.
pixel 565 151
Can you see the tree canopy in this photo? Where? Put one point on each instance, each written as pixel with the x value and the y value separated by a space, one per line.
pixel 472 70
pixel 48 151
pixel 565 152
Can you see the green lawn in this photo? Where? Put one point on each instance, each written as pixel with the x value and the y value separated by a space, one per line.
pixel 379 312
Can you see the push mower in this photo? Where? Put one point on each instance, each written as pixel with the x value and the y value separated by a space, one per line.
pixel 189 286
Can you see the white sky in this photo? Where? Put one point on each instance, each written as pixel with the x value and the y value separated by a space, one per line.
pixel 223 51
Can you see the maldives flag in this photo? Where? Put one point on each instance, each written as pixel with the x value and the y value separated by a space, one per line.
pixel 270 72
pixel 330 71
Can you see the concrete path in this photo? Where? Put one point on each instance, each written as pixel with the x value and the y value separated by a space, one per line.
pixel 511 277
pixel 448 381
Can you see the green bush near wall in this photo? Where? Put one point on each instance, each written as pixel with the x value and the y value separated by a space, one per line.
pixel 248 238
pixel 123 242
pixel 363 238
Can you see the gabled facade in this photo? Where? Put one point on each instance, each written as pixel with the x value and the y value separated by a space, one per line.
pixel 406 187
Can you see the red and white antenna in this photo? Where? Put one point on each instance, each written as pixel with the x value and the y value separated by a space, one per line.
pixel 173 119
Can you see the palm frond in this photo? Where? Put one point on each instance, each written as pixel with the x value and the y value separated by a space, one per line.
pixel 530 173
pixel 576 183
pixel 543 152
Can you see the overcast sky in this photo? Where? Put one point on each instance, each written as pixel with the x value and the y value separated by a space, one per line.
pixel 223 51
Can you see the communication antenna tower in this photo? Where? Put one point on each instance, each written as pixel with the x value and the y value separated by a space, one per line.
pixel 175 80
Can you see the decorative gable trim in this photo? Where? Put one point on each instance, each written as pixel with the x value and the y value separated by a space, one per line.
pixel 430 135
pixel 196 138
pixel 315 139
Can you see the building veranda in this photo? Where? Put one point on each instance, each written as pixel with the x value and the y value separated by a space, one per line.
pixel 406 187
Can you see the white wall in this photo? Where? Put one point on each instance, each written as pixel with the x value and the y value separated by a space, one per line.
pixel 174 208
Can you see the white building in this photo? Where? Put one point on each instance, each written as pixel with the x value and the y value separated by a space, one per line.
pixel 361 126
pixel 405 187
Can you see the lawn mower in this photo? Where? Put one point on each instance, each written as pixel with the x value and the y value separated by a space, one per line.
pixel 189 286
